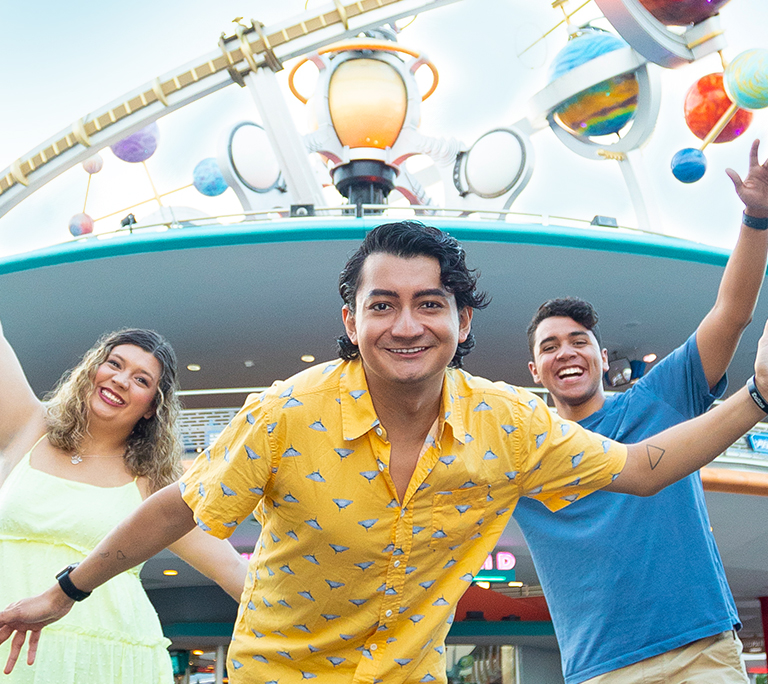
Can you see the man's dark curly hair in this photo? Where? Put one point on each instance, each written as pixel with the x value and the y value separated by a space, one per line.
pixel 412 239
pixel 571 307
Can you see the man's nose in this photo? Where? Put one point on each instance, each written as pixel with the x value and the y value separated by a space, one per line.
pixel 406 324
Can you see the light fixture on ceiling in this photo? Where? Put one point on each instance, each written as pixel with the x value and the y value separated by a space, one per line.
pixel 170 573
pixel 198 652
pixel 307 358
pixel 515 584
pixel 193 367
pixel 619 373
pixel 650 358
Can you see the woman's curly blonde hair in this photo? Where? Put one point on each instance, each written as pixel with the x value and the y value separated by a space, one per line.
pixel 153 450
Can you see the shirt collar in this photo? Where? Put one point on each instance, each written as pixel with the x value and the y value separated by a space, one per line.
pixel 450 408
pixel 358 415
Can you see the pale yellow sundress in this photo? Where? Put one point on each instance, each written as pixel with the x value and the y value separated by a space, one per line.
pixel 114 636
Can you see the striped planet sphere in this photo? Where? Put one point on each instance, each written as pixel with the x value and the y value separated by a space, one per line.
pixel 746 79
pixel 607 106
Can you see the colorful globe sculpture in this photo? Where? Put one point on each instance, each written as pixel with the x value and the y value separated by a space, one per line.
pixel 683 12
pixel 689 165
pixel 93 164
pixel 139 146
pixel 746 79
pixel 706 102
pixel 80 224
pixel 207 178
pixel 604 108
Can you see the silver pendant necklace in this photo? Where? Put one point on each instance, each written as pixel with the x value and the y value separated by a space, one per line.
pixel 76 458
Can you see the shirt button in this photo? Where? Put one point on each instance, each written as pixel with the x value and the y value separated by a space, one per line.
pixel 381 466
pixel 374 647
pixel 388 613
pixel 397 564
pixel 379 431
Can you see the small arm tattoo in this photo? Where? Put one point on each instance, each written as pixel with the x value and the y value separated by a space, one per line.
pixel 655 454
pixel 104 555
pixel 120 555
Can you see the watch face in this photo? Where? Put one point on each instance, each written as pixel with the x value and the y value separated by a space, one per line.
pixel 67 570
pixel 68 587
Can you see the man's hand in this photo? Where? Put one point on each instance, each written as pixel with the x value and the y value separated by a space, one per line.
pixel 31 615
pixel 753 190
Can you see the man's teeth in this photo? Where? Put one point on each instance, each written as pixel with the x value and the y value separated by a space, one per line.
pixel 412 350
pixel 569 372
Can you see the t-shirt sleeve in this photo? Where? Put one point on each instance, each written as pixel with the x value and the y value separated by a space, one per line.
pixel 679 380
pixel 227 481
pixel 562 462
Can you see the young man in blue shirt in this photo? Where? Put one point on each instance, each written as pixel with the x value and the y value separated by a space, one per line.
pixel 635 586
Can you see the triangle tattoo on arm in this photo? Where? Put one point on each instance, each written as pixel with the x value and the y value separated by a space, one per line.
pixel 654 455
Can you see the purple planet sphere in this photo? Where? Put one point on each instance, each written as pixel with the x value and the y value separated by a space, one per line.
pixel 138 146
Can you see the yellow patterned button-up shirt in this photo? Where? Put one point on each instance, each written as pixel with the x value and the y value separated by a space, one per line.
pixel 347 584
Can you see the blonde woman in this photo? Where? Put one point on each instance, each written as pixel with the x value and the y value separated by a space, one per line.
pixel 70 470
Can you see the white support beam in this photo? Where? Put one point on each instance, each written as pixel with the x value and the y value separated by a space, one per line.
pixel 285 139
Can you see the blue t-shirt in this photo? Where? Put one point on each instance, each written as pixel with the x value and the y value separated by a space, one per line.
pixel 626 577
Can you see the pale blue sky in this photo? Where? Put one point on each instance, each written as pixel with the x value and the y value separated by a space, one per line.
pixel 62 60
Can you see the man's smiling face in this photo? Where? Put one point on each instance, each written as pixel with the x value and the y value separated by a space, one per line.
pixel 405 324
pixel 568 361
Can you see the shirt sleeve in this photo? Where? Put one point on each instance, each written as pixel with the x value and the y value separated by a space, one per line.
pixel 227 481
pixel 679 380
pixel 562 462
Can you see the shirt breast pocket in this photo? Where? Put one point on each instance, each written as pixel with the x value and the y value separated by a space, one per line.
pixel 457 516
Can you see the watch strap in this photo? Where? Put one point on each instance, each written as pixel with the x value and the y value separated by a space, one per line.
pixel 756 396
pixel 755 222
pixel 68 587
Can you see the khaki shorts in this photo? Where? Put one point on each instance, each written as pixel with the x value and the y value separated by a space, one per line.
pixel 714 660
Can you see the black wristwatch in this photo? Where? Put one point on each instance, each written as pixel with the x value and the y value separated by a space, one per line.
pixel 68 587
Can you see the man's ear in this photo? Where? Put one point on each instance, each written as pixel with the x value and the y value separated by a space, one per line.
pixel 465 323
pixel 534 372
pixel 604 354
pixel 349 323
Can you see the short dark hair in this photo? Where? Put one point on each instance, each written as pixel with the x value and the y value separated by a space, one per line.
pixel 411 239
pixel 571 307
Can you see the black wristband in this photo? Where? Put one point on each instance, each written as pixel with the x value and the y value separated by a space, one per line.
pixel 754 222
pixel 67 585
pixel 756 396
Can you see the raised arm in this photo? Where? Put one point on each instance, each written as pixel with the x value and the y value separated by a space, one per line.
pixel 669 456
pixel 160 521
pixel 718 334
pixel 18 403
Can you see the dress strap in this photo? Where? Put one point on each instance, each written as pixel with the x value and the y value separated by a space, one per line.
pixel 45 434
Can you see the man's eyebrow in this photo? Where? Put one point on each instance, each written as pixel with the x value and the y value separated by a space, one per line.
pixel 575 333
pixel 433 292
pixel 383 293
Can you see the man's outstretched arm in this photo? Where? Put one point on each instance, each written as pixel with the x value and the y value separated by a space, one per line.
pixel 162 519
pixel 679 451
pixel 719 332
